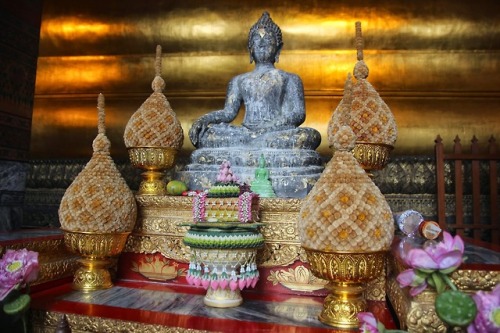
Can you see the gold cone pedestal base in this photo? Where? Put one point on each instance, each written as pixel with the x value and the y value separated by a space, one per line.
pixel 98 252
pixel 347 274
pixel 153 183
pixel 93 275
pixel 154 160
pixel 372 156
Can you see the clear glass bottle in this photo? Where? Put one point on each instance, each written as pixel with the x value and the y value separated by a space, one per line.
pixel 412 224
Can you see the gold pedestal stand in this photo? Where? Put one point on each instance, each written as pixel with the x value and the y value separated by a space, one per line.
pixel 154 160
pixel 372 156
pixel 98 252
pixel 347 274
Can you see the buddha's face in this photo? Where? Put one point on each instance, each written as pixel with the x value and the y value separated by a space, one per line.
pixel 263 46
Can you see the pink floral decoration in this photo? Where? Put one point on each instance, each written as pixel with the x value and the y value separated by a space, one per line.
pixel 445 257
pixel 488 316
pixel 367 323
pixel 199 204
pixel 17 268
pixel 245 202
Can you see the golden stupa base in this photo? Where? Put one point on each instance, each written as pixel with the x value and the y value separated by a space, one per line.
pixel 347 274
pixel 372 156
pixel 97 251
pixel 153 183
pixel 341 306
pixel 154 160
pixel 92 275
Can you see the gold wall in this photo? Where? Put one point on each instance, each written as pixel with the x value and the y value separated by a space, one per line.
pixel 435 63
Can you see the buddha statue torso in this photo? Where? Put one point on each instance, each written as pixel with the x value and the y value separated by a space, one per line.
pixel 274 110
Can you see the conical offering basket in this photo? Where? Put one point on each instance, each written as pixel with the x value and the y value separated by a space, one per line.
pixel 347 274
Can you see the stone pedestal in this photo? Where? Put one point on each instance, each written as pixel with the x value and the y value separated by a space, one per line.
pixel 292 172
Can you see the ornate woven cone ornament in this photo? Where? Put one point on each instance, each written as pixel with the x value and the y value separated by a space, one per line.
pixel 153 136
pixel 99 199
pixel 97 213
pixel 346 228
pixel 371 119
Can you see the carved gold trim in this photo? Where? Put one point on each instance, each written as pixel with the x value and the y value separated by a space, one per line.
pixel 414 314
pixel 170 247
pixel 299 278
pixel 56 268
pixel 375 289
pixel 46 322
pixel 164 201
pixel 45 245
pixel 157 229
pixel 470 280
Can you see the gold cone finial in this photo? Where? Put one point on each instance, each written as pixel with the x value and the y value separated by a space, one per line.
pixel 158 83
pixel 360 69
pixel 158 61
pixel 359 41
pixel 101 127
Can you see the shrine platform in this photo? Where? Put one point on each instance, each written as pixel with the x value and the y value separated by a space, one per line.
pixel 150 292
pixel 132 306
pixel 143 305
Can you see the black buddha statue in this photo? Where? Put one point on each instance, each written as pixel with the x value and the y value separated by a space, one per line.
pixel 273 99
pixel 274 110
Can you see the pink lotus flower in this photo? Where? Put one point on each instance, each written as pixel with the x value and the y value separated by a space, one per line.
pixel 367 323
pixel 413 278
pixel 444 256
pixel 17 268
pixel 488 316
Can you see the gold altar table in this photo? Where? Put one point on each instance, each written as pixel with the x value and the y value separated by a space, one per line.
pixel 282 259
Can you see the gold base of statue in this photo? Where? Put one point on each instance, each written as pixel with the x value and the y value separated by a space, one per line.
pixel 347 274
pixel 372 156
pixel 154 160
pixel 98 252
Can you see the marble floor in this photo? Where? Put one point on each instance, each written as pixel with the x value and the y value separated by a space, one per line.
pixel 183 307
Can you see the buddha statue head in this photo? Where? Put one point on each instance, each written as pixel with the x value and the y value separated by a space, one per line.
pixel 265 32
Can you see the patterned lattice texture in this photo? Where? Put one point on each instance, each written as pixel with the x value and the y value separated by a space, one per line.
pixel 154 124
pixel 98 199
pixel 368 115
pixel 345 211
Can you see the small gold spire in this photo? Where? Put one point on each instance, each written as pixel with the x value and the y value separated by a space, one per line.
pixel 158 61
pixel 101 127
pixel 359 41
